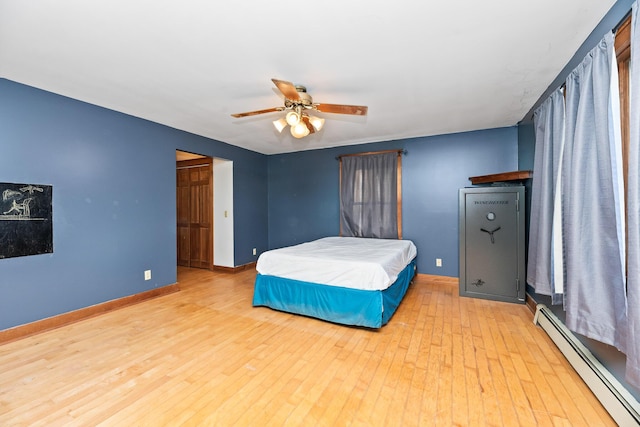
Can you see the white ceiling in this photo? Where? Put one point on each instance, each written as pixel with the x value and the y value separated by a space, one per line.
pixel 422 68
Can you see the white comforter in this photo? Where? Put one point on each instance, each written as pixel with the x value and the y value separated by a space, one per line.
pixel 350 262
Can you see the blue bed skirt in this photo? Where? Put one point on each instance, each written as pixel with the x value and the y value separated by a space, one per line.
pixel 371 309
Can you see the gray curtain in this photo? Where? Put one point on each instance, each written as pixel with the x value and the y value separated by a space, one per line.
pixel 633 209
pixel 368 196
pixel 593 221
pixel 545 266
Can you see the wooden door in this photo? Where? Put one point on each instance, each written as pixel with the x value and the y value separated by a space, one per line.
pixel 183 205
pixel 194 200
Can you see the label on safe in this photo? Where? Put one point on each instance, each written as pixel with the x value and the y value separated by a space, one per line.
pixel 491 202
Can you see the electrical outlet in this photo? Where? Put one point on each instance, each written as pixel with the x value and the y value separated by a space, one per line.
pixel 438 262
pixel 254 251
pixel 147 275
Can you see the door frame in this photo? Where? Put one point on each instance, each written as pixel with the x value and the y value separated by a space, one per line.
pixel 196 161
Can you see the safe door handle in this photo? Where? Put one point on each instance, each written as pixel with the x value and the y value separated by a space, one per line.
pixel 491 233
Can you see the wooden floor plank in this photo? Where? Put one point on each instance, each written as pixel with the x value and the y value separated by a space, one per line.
pixel 205 356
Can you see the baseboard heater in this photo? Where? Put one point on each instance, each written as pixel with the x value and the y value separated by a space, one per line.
pixel 616 399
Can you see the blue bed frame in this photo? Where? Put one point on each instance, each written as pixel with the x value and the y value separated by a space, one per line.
pixel 347 306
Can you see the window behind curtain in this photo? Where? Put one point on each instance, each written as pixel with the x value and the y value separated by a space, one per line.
pixel 370 195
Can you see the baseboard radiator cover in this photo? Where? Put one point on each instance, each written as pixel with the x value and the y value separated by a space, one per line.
pixel 615 398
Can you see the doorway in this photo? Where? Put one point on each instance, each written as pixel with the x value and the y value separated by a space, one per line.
pixel 204 211
pixel 194 211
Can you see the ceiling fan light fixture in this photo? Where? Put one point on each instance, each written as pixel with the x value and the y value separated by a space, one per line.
pixel 297 105
pixel 316 122
pixel 300 130
pixel 280 124
pixel 292 118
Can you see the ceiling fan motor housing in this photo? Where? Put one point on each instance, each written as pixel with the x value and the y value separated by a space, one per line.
pixel 305 99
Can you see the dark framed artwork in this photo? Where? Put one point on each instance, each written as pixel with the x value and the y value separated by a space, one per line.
pixel 26 219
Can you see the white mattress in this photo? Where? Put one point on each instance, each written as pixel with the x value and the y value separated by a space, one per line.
pixel 350 262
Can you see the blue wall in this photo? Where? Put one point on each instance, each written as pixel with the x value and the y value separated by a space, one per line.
pixel 304 190
pixel 113 179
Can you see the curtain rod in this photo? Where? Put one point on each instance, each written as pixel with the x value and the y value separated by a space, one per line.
pixel 622 21
pixel 368 153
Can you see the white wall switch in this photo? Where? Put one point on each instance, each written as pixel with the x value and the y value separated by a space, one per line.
pixel 147 275
pixel 438 262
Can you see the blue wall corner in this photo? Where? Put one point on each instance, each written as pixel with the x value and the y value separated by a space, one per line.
pixel 304 190
pixel 113 179
pixel 114 205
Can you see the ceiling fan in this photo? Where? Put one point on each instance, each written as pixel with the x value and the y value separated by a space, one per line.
pixel 298 104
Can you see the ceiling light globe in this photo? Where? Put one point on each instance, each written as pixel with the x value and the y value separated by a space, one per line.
pixel 316 122
pixel 300 130
pixel 280 124
pixel 292 118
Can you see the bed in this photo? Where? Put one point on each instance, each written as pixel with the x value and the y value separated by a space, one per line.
pixel 347 280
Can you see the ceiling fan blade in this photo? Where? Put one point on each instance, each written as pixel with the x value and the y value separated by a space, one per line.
pixel 254 113
pixel 308 124
pixel 356 110
pixel 287 88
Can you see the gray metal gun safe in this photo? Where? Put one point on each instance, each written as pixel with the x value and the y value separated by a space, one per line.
pixel 492 243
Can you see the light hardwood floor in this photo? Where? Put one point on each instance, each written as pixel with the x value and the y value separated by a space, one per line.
pixel 205 356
